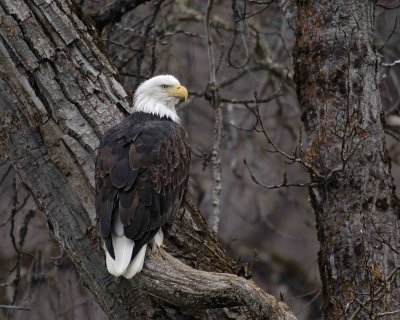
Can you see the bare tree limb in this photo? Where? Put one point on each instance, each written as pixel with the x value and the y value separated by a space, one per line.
pixel 3 306
pixel 192 288
pixel 284 184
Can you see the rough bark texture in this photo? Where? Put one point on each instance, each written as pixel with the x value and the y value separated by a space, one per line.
pixel 58 93
pixel 357 212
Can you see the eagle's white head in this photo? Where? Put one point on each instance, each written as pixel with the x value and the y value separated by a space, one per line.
pixel 159 96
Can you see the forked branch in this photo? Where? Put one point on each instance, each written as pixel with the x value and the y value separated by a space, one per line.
pixel 191 288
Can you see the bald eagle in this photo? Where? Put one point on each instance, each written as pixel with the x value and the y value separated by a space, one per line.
pixel 142 169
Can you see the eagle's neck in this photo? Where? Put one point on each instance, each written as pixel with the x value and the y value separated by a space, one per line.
pixel 162 108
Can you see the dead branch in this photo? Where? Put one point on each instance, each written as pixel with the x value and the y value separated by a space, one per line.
pixel 3 306
pixel 192 288
pixel 284 184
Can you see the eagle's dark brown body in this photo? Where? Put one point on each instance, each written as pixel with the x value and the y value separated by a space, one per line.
pixel 142 169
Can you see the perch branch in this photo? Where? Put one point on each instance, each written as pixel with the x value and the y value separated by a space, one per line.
pixel 191 288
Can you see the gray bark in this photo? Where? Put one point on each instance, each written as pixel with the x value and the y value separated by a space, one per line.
pixel 58 94
pixel 357 211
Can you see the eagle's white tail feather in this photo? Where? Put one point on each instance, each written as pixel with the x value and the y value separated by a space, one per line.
pixel 123 252
pixel 137 263
pixel 123 247
pixel 110 263
pixel 118 226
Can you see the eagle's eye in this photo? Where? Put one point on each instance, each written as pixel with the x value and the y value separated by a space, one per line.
pixel 164 86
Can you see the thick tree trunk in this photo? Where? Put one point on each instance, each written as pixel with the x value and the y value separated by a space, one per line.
pixel 58 94
pixel 336 72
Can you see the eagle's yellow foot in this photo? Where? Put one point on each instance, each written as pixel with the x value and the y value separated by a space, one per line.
pixel 154 246
pixel 158 240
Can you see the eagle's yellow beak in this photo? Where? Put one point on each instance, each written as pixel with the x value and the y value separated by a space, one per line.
pixel 179 92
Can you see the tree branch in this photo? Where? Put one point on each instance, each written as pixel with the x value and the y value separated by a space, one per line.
pixel 4 306
pixel 190 288
pixel 216 104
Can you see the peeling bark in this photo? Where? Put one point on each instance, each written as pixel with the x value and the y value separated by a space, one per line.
pixel 59 93
pixel 357 211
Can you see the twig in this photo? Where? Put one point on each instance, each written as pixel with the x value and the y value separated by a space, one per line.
pixel 216 103
pixel 5 306
pixel 24 228
pixel 254 13
pixel 266 100
pixel 13 240
pixel 390 278
pixel 291 158
pixel 209 43
pixel 392 64
pixel 390 36
pixel 386 7
pixel 289 10
pixel 284 183
pixel 5 174
pixel 236 18
pixel 149 27
pixel 382 314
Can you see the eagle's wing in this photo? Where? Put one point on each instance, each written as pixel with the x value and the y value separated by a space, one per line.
pixel 141 175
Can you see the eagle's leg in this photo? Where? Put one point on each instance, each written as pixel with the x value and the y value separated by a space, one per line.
pixel 158 239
